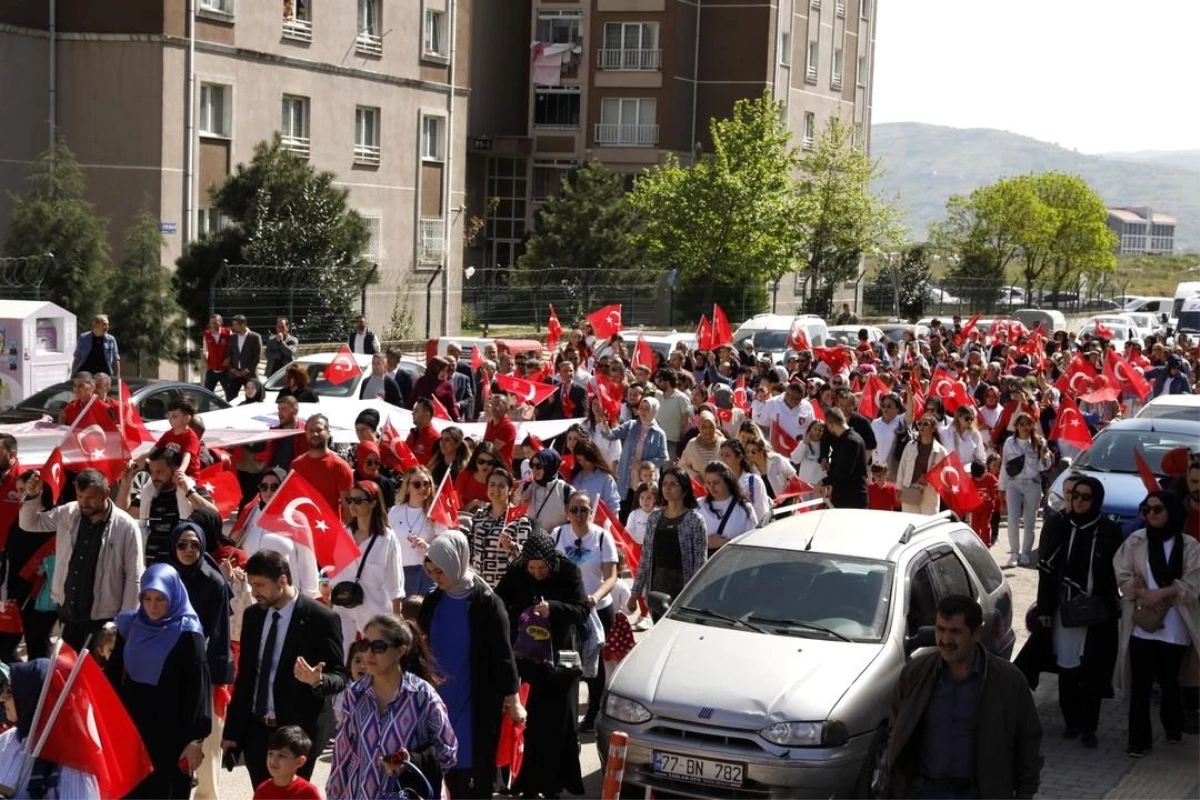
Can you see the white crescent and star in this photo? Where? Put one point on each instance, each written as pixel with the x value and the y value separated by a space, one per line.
pixel 1087 385
pixel 289 511
pixel 56 475
pixel 952 486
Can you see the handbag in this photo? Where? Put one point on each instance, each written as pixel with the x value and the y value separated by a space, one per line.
pixel 1015 466
pixel 417 787
pixel 1149 619
pixel 349 594
pixel 533 638
pixel 1084 608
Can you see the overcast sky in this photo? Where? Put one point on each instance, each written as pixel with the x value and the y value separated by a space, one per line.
pixel 1092 75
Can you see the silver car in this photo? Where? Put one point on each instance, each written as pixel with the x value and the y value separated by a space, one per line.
pixel 772 673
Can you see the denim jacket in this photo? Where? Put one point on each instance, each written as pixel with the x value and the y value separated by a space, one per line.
pixel 84 348
pixel 654 450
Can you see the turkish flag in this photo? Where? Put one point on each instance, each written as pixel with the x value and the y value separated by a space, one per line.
pixel 952 393
pixel 567 466
pixel 54 473
pixel 1103 331
pixel 554 330
pixel 343 367
pixel 818 412
pixel 476 357
pixel 514 513
pixel 794 488
pixel 1149 479
pixel 299 512
pixel 1069 425
pixel 704 334
pixel 741 397
pixel 611 394
pixel 606 519
pixel 872 394
pixel 446 505
pixel 797 339
pixel 838 358
pixel 955 486
pixel 722 334
pixel 439 410
pixel 394 451
pixel 510 748
pixel 222 486
pixel 95 443
pixel 1079 378
pixel 697 486
pixel 643 356
pixel 92 732
pixel 528 391
pixel 1125 375
pixel 966 330
pixel 132 427
pixel 605 321
pixel 781 441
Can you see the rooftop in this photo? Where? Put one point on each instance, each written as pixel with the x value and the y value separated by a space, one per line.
pixel 843 531
pixel 1139 215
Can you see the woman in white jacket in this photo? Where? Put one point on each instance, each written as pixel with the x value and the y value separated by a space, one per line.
pixel 1025 457
pixel 963 437
pixel 807 455
pixel 775 470
pixel 920 455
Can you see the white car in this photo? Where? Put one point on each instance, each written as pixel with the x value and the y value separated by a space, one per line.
pixel 1147 322
pixel 316 365
pixel 663 343
pixel 1172 406
pixel 848 334
pixel 770 332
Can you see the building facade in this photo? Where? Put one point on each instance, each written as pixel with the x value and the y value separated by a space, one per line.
pixel 370 90
pixel 1142 230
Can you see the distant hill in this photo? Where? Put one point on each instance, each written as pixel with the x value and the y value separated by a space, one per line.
pixel 1187 159
pixel 926 164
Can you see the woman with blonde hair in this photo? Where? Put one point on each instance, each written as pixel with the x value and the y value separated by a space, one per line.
pixel 922 453
pixel 963 436
pixel 774 469
pixel 414 530
pixel 807 455
pixel 704 447
pixel 1025 456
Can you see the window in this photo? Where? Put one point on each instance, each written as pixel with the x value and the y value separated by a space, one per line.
pixel 209 221
pixel 374 251
pixel 294 127
pixel 836 80
pixel 864 8
pixel 297 20
pixel 862 71
pixel 431 138
pixel 506 221
pixel 980 559
pixel 785 48
pixel 556 107
pixel 950 576
pixel 435 33
pixel 631 46
pixel 370 29
pixel 810 129
pixel 549 177
pixel 366 136
pixel 220 6
pixel 215 110
pixel 627 121
pixel 559 27
pixel 840 8
pixel 922 606
pixel 810 69
pixel 431 241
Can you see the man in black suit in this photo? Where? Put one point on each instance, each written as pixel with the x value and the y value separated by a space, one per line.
pixel 291 664
pixel 570 401
pixel 244 353
pixel 846 482
pixel 403 378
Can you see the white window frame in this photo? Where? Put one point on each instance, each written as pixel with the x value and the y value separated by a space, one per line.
pixel 298 24
pixel 368 148
pixel 812 56
pixel 434 47
pixel 374 251
pixel 369 41
pixel 550 16
pixel 835 78
pixel 437 152
pixel 204 113
pixel 208 221
pixel 635 59
pixel 292 140
pixel 218 7
pixel 810 130
pixel 644 134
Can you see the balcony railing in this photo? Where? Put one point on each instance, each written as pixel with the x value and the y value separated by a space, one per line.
pixel 809 142
pixel 297 144
pixel 638 135
pixel 298 29
pixel 810 74
pixel 431 241
pixel 836 82
pixel 648 60
pixel 367 154
pixel 368 44
pixel 840 9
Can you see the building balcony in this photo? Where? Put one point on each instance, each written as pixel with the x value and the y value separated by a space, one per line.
pixel 368 44
pixel 631 135
pixel 639 60
pixel 299 30
pixel 431 241
pixel 367 154
pixel 300 145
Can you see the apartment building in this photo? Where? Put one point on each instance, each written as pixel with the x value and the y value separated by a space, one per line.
pixel 371 90
pixel 625 82
pixel 1142 230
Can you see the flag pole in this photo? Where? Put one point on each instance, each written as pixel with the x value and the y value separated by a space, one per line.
pixel 37 713
pixel 438 493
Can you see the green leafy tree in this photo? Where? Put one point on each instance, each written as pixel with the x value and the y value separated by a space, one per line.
pixel 726 222
pixel 283 212
pixel 973 278
pixel 53 217
pixel 839 217
pixel 1078 239
pixel 142 307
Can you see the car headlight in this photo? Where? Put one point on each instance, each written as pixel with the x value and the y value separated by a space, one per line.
pixel 625 710
pixel 1055 501
pixel 806 734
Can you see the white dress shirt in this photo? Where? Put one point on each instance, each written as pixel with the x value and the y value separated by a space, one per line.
pixel 285 619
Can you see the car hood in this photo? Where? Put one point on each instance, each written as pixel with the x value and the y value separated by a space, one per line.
pixel 682 667
pixel 1123 491
pixel 17 415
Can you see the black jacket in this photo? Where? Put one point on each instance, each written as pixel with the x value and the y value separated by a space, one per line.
pixel 848 471
pixel 315 632
pixel 493 668
pixel 562 590
pixel 404 381
pixel 370 342
pixel 391 390
pixel 553 407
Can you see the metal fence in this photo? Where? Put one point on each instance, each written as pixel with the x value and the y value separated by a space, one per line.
pixel 946 296
pixel 24 277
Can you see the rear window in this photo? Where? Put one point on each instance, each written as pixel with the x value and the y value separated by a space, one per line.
pixel 980 559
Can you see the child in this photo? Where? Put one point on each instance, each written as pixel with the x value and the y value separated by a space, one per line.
pixel 287 751
pixel 326 596
pixel 181 438
pixel 881 494
pixel 104 643
pixel 647 473
pixel 356 657
pixel 647 497
pixel 988 486
pixel 993 468
pixel 410 609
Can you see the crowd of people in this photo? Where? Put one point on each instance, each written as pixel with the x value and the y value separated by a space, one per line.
pixel 230 644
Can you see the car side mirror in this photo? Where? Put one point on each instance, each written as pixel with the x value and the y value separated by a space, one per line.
pixel 659 602
pixel 925 636
pixel 1063 464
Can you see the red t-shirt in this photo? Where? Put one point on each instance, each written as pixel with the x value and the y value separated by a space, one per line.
pixel 988 487
pixel 469 489
pixel 503 434
pixel 298 789
pixel 882 498
pixel 186 442
pixel 423 442
pixel 330 475
pixel 71 412
pixel 216 351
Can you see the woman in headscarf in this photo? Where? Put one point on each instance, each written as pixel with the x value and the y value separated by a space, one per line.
pixel 46 779
pixel 368 467
pixel 1075 558
pixel 643 440
pixel 164 681
pixel 704 447
pixel 1158 572
pixel 546 495
pixel 467 628
pixel 252 392
pixel 548 585
pixel 436 384
pixel 251 538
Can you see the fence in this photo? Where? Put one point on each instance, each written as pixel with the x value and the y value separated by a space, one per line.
pixel 24 277
pixel 946 297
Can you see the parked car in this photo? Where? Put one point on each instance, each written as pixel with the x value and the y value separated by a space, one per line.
pixel 822 610
pixel 896 330
pixel 316 365
pixel 150 396
pixel 1050 319
pixel 663 343
pixel 848 334
pixel 1152 305
pixel 770 332
pixel 1146 322
pixel 1171 406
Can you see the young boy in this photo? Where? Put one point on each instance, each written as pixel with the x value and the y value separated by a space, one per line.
pixel 881 495
pixel 287 751
pixel 993 467
pixel 988 486
pixel 181 438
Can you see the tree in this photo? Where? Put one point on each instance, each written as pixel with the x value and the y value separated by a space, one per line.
pixel 725 223
pixel 1078 239
pixel 973 278
pixel 53 217
pixel 584 234
pixel 283 212
pixel 839 218
pixel 142 307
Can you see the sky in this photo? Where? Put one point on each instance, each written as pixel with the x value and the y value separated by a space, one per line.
pixel 1090 75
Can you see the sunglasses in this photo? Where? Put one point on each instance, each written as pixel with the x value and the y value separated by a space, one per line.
pixel 486 462
pixel 354 501
pixel 187 545
pixel 268 487
pixel 379 646
pixel 1081 496
pixel 579 510
pixel 926 424
pixel 1152 509
pixel 418 484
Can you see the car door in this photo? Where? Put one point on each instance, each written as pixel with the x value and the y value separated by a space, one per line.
pixel 202 400
pixel 934 574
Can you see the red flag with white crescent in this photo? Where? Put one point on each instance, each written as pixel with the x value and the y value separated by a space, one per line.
pixel 605 321
pixel 95 443
pixel 781 441
pixel 343 367
pixel 54 473
pixel 1078 379
pixel 704 334
pixel 222 486
pixel 1125 375
pixel 554 330
pixel 1069 425
pixel 643 356
pixel 528 391
pixel 872 393
pixel 955 485
pixel 394 451
pixel 299 512
pixel 722 334
pixel 797 339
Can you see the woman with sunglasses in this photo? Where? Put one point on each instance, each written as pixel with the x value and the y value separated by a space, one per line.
pixel 497 532
pixel 451 455
pixel 594 477
pixel 368 466
pixel 471 483
pixel 545 582
pixel 1158 572
pixel 1025 456
pixel 807 457
pixel 963 436
pixel 545 496
pixel 921 454
pixel 1075 557
pixel 750 483
pixel 251 538
pixel 393 716
pixel 415 532
pixel 774 469
pixel 376 571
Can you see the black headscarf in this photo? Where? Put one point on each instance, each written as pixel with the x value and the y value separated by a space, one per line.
pixel 209 594
pixel 551 461
pixel 1166 571
pixel 1081 534
pixel 27 679
pixel 213 529
pixel 540 547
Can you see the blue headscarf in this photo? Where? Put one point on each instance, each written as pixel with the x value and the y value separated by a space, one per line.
pixel 148 642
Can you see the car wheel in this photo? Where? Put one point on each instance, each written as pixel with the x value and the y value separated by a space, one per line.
pixel 139 481
pixel 872 779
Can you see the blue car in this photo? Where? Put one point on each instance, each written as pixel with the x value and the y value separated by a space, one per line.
pixel 1110 460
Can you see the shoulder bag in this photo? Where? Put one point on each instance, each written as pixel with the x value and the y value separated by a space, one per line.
pixel 1084 608
pixel 349 594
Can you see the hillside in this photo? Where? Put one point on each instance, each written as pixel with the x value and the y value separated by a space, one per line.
pixel 926 164
pixel 1187 159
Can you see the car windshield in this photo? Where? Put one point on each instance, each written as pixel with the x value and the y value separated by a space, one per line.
pixel 53 399
pixel 316 382
pixel 1168 411
pixel 791 592
pixel 1189 321
pixel 1113 449
pixel 768 340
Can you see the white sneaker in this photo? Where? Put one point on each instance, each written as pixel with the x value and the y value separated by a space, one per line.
pixel 1026 560
pixel 642 625
pixel 1013 560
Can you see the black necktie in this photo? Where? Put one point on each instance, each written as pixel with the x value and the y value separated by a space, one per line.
pixel 264 667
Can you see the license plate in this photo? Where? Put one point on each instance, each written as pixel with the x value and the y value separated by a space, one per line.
pixel 699 770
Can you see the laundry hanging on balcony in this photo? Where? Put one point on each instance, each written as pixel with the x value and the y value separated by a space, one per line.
pixel 547 59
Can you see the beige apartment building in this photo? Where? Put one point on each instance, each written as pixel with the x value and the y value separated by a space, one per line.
pixel 372 90
pixel 629 81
